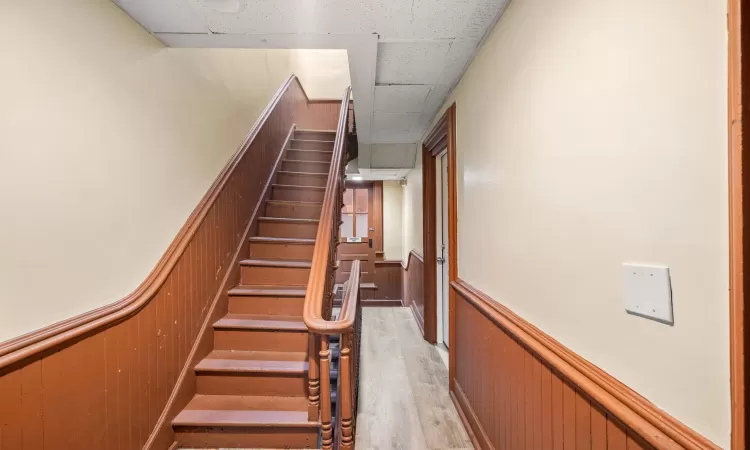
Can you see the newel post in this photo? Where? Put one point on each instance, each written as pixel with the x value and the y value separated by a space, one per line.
pixel 313 403
pixel 325 391
pixel 345 375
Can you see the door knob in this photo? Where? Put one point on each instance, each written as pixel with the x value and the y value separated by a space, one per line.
pixel 440 260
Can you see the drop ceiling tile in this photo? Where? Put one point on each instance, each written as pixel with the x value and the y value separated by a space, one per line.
pixel 457 60
pixel 165 16
pixel 282 16
pixel 411 62
pixel 483 17
pixel 400 98
pixel 395 121
pixel 396 137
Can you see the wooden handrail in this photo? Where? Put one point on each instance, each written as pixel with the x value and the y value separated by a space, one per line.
pixel 317 313
pixel 348 312
pixel 322 255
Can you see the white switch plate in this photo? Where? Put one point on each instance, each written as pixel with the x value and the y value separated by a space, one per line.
pixel 648 291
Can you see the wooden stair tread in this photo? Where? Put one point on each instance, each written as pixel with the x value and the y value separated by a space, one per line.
pixel 306 174
pixel 327 163
pixel 260 322
pixel 244 411
pixel 281 240
pixel 290 263
pixel 296 186
pixel 305 130
pixel 287 220
pixel 313 140
pixel 310 150
pixel 268 291
pixel 296 202
pixel 251 362
pixel 338 286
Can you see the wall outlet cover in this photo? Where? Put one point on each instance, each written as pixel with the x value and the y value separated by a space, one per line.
pixel 648 291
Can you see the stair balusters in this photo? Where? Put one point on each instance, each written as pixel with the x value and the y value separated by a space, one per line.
pixel 336 431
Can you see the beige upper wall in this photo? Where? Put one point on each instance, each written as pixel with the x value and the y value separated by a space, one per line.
pixel 412 210
pixel 108 141
pixel 591 133
pixel 392 220
pixel 323 73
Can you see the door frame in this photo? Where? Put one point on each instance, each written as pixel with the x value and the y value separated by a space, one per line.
pixel 442 136
pixel 442 326
pixel 738 104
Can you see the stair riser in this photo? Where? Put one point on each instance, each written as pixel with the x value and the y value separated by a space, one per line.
pixel 261 340
pixel 256 437
pixel 298 195
pixel 283 306
pixel 307 166
pixel 311 145
pixel 288 230
pixel 262 250
pixel 293 212
pixel 301 180
pixel 270 385
pixel 315 135
pixel 274 276
pixel 302 155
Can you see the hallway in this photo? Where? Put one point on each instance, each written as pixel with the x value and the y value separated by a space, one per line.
pixel 404 401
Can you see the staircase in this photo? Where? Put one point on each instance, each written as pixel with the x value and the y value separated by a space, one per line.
pixel 252 389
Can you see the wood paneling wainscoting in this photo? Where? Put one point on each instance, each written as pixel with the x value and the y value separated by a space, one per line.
pixel 515 388
pixel 320 115
pixel 388 280
pixel 108 379
pixel 414 286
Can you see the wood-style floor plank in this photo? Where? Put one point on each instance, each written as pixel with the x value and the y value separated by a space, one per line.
pixel 415 410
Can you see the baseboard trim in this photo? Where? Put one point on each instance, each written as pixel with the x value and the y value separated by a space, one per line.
pixel 655 426
pixel 418 318
pixel 162 433
pixel 469 418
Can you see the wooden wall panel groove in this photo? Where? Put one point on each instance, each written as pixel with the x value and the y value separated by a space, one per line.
pixel 107 378
pixel 320 115
pixel 413 290
pixel 513 392
pixel 389 281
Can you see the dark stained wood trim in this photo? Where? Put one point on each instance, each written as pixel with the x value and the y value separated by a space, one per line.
pixel 377 216
pixel 738 198
pixel 186 383
pixel 388 262
pixel 413 285
pixel 469 418
pixel 452 241
pixel 65 332
pixel 442 136
pixel 650 423
pixel 413 254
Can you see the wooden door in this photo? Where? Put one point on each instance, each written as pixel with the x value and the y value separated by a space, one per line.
pixel 357 232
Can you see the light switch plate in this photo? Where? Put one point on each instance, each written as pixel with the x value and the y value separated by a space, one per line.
pixel 648 291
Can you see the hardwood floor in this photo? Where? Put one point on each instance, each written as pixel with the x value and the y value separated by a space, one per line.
pixel 404 401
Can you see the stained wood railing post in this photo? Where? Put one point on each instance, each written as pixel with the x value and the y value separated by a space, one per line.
pixel 325 392
pixel 319 304
pixel 313 403
pixel 345 377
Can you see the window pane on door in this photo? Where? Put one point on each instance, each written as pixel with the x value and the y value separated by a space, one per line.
pixel 347 226
pixel 362 225
pixel 348 201
pixel 361 200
